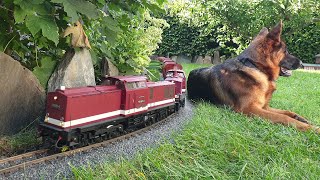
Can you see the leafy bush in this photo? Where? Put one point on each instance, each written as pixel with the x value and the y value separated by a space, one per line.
pixel 120 30
pixel 199 27
pixel 305 43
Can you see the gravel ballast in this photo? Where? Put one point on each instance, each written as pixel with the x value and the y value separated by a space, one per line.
pixel 60 168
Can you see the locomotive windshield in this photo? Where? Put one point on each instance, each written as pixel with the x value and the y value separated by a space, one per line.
pixel 181 74
pixel 135 85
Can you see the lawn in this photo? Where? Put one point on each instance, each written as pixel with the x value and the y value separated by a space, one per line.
pixel 220 144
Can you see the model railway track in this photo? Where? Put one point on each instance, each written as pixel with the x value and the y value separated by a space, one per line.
pixel 30 159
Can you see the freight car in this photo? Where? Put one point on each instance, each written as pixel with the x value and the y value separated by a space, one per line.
pixel 76 117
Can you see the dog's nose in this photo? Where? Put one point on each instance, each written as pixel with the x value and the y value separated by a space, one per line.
pixel 301 64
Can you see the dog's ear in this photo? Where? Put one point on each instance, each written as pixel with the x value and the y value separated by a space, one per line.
pixel 264 31
pixel 275 33
pixel 262 34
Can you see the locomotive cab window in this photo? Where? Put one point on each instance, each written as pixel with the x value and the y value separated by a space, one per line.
pixel 119 84
pixel 142 84
pixel 169 74
pixel 135 85
pixel 131 85
pixel 181 74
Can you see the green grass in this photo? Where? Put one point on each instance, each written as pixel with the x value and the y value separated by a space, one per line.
pixel 21 142
pixel 188 67
pixel 221 144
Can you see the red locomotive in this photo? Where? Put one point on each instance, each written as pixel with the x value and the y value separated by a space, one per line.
pixel 171 69
pixel 79 116
pixel 168 64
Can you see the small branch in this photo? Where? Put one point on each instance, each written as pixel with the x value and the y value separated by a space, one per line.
pixel 6 8
pixel 8 43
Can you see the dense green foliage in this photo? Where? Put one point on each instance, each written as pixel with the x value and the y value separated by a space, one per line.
pixel 183 39
pixel 199 27
pixel 127 32
pixel 123 31
pixel 137 38
pixel 221 144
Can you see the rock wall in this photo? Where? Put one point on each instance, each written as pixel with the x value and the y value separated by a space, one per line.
pixel 22 98
pixel 108 68
pixel 198 59
pixel 75 70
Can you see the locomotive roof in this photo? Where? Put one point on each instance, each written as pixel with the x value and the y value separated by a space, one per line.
pixel 178 70
pixel 158 83
pixel 129 78
pixel 170 62
pixel 87 90
pixel 164 59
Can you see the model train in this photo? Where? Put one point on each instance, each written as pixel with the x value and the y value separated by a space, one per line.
pixel 76 117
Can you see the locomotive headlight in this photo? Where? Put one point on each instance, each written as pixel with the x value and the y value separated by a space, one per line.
pixel 46 119
pixel 55 97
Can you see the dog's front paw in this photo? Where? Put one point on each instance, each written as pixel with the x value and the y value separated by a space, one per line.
pixel 316 129
pixel 301 119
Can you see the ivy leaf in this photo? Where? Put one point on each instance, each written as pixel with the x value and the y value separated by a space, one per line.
pixel 73 7
pixel 49 28
pixel 43 73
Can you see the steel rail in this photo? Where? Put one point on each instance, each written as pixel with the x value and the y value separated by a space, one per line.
pixel 26 164
pixel 23 156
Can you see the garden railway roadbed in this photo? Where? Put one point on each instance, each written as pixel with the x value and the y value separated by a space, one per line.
pixel 40 165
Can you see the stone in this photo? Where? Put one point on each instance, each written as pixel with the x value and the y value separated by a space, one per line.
pixel 207 60
pixel 183 59
pixel 74 70
pixel 216 58
pixel 22 98
pixel 223 58
pixel 199 60
pixel 108 68
pixel 317 59
pixel 174 58
pixel 194 59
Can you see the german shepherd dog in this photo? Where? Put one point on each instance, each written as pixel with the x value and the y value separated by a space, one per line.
pixel 246 83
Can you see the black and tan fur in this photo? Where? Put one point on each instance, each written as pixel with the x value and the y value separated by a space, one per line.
pixel 246 83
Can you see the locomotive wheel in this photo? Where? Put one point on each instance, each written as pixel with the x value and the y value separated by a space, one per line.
pixel 84 141
pixel 177 107
pixel 99 139
pixel 183 102
pixel 114 134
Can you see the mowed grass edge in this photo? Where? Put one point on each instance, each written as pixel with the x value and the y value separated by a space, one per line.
pixel 221 144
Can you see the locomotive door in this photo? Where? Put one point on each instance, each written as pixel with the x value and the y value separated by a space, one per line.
pixel 137 93
pixel 140 97
pixel 140 100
